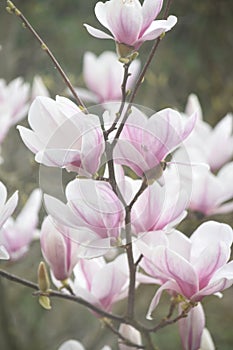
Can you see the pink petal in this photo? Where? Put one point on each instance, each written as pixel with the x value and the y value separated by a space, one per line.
pixel 30 139
pixel 3 253
pixel 193 106
pixel 169 285
pixel 157 28
pixel 179 243
pixel 7 210
pixel 29 213
pixel 125 20
pixel 97 33
pixel 191 328
pixel 61 212
pixel 100 12
pixel 150 10
pixel 224 209
pixel 209 233
pixel 171 266
pixel 209 261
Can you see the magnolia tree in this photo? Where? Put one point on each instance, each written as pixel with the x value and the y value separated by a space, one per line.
pixel 136 175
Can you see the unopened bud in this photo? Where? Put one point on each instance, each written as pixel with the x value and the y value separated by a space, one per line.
pixel 162 35
pixel 45 302
pixel 43 278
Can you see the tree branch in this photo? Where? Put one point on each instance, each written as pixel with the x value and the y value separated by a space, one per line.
pixel 57 294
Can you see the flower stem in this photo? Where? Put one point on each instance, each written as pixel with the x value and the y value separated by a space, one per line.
pixel 141 78
pixel 123 99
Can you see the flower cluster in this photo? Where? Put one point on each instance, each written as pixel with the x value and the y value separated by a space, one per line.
pixel 136 175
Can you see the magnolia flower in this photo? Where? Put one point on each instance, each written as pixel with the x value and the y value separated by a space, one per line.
pixel 103 76
pixel 145 142
pixel 192 267
pixel 76 345
pixel 165 207
pixel 16 235
pixel 91 204
pixel 14 105
pixel 130 334
pixel 213 145
pixel 113 276
pixel 210 192
pixel 63 136
pixel 59 250
pixel 129 22
pixel 191 328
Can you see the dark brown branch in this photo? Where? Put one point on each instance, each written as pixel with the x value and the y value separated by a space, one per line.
pixel 166 322
pixel 132 267
pixel 57 294
pixel 13 9
pixel 123 99
pixel 140 191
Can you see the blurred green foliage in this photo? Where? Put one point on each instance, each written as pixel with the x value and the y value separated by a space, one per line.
pixel 196 56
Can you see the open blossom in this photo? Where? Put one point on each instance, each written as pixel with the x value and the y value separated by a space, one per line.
pixel 76 345
pixel 59 250
pixel 103 77
pixel 212 145
pixel 113 276
pixel 14 105
pixel 16 235
pixel 91 204
pixel 63 136
pixel 192 267
pixel 145 142
pixel 129 22
pixel 211 193
pixel 165 207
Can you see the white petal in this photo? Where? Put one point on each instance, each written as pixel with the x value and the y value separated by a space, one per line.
pixel 97 33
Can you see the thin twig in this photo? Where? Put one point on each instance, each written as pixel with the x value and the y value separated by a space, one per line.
pixel 166 322
pixel 123 99
pixel 120 336
pixel 140 191
pixel 57 294
pixel 13 9
pixel 132 267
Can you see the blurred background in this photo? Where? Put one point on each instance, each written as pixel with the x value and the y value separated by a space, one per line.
pixel 195 57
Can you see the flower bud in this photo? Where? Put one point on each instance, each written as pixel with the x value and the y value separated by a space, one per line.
pixel 130 334
pixel 43 278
